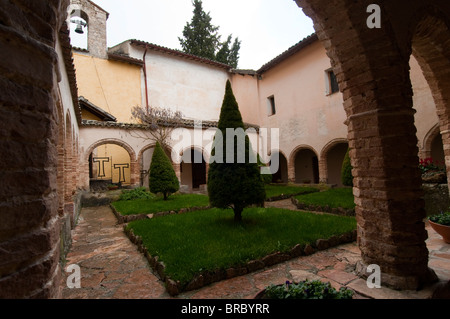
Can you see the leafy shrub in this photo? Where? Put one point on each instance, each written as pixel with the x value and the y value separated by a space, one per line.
pixel 307 290
pixel 137 193
pixel 346 173
pixel 442 218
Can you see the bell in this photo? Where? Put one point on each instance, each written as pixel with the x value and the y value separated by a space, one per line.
pixel 79 29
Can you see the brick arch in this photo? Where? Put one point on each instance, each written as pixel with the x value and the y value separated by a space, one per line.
pixel 428 141
pixel 134 165
pixel 323 160
pixel 431 48
pixel 372 69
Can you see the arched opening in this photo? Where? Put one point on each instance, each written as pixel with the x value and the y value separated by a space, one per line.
pixel 280 175
pixel 306 165
pixel 430 47
pixel 79 29
pixel 193 170
pixel 437 151
pixel 334 157
pixel 110 162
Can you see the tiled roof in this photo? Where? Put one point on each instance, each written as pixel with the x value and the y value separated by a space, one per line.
pixel 187 123
pixel 179 53
pixel 124 58
pixel 289 52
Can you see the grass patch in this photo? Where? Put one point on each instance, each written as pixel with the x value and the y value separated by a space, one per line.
pixel 158 204
pixel 209 239
pixel 334 198
pixel 273 190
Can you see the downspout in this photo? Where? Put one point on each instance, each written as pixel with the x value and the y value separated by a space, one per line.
pixel 145 80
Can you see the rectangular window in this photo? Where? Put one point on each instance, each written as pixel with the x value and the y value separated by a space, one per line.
pixel 271 105
pixel 331 82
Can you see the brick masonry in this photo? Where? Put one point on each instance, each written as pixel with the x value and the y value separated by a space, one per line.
pixel 372 69
pixel 371 66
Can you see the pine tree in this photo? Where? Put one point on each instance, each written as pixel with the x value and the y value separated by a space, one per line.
pixel 236 185
pixel 346 173
pixel 201 38
pixel 162 175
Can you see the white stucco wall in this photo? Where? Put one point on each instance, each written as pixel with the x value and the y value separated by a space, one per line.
pixel 193 88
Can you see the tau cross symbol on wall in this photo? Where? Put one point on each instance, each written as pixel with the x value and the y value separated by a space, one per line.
pixel 101 165
pixel 121 168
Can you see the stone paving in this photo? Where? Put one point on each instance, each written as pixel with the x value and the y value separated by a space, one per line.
pixel 112 267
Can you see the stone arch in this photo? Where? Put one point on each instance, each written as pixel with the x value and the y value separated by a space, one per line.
pixel 330 162
pixel 303 165
pixel 134 166
pixel 372 69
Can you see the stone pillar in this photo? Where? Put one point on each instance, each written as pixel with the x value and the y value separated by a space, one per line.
pixel 29 223
pixel 291 170
pixel 323 169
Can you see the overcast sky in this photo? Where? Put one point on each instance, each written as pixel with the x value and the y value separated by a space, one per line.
pixel 265 27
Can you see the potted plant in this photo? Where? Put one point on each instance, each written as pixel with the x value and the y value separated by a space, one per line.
pixel 441 224
pixel 315 289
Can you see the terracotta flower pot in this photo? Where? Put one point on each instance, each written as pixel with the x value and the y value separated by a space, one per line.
pixel 442 230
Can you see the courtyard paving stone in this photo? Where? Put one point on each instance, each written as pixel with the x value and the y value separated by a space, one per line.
pixel 113 268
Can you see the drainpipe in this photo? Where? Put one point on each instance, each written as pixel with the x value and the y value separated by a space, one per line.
pixel 145 80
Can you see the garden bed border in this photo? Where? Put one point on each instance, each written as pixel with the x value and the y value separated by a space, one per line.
pixel 325 209
pixel 123 219
pixel 207 277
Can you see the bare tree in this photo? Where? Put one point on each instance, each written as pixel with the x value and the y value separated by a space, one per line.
pixel 161 122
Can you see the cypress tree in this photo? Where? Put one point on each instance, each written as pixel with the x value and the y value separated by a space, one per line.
pixel 162 177
pixel 201 38
pixel 346 172
pixel 233 184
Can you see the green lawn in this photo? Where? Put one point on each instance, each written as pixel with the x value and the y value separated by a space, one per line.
pixel 158 204
pixel 334 198
pixel 273 190
pixel 209 239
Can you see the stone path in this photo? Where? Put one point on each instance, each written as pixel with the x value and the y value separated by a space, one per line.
pixel 112 268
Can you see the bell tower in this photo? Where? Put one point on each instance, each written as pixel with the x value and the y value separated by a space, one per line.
pixel 88 22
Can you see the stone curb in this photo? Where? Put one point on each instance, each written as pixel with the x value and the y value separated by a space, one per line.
pixel 286 196
pixel 326 209
pixel 123 219
pixel 207 277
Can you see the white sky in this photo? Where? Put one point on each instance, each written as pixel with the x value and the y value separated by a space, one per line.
pixel 265 27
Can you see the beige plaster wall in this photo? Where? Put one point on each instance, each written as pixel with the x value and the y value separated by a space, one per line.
pixel 113 86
